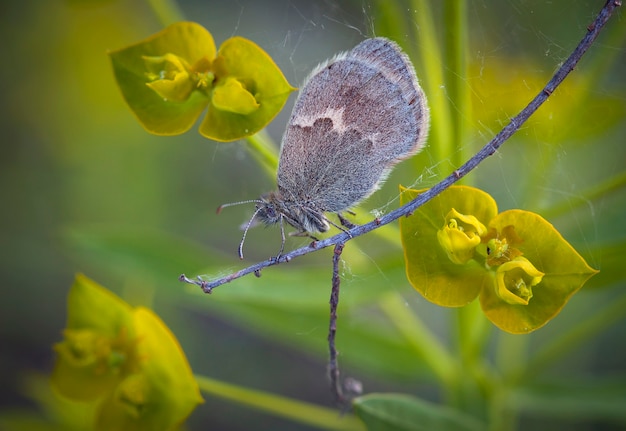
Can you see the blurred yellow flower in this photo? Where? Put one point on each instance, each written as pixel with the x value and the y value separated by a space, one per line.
pixel 126 360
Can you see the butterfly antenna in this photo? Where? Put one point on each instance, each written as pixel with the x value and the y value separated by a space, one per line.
pixel 245 231
pixel 219 209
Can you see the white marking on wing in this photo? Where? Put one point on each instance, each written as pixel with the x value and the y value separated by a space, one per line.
pixel 334 114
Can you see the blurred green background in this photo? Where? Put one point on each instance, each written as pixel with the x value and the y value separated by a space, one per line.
pixel 85 189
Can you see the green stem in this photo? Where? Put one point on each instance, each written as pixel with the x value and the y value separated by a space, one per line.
pixel 512 352
pixel 456 49
pixel 167 11
pixel 501 416
pixel 391 21
pixel 441 138
pixel 264 150
pixel 473 331
pixel 476 383
pixel 286 408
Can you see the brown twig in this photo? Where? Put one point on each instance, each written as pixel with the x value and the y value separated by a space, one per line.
pixel 333 365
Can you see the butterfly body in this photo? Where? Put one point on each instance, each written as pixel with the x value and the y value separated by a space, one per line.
pixel 357 115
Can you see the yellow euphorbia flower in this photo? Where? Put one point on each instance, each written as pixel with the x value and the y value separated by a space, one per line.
pixel 460 235
pixel 126 360
pixel 515 280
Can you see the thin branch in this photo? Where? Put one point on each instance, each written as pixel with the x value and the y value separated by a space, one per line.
pixel 333 365
pixel 593 30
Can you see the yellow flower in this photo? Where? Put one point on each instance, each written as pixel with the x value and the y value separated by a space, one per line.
pixel 448 267
pixel 460 235
pixel 515 280
pixel 232 96
pixel 126 360
pixel 499 247
pixel 169 77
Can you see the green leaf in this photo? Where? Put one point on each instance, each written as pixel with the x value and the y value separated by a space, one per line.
pixel 231 115
pixel 601 398
pixel 288 408
pixel 428 267
pixel 134 69
pixel 397 412
pixel 147 253
pixel 289 304
pixel 565 273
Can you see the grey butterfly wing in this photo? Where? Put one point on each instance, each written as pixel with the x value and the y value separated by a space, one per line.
pixel 358 115
pixel 402 101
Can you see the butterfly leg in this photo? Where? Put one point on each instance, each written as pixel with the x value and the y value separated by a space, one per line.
pixel 282 241
pixel 344 221
pixel 303 233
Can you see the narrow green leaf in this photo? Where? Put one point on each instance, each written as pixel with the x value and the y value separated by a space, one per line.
pixel 397 412
pixel 575 398
pixel 298 411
